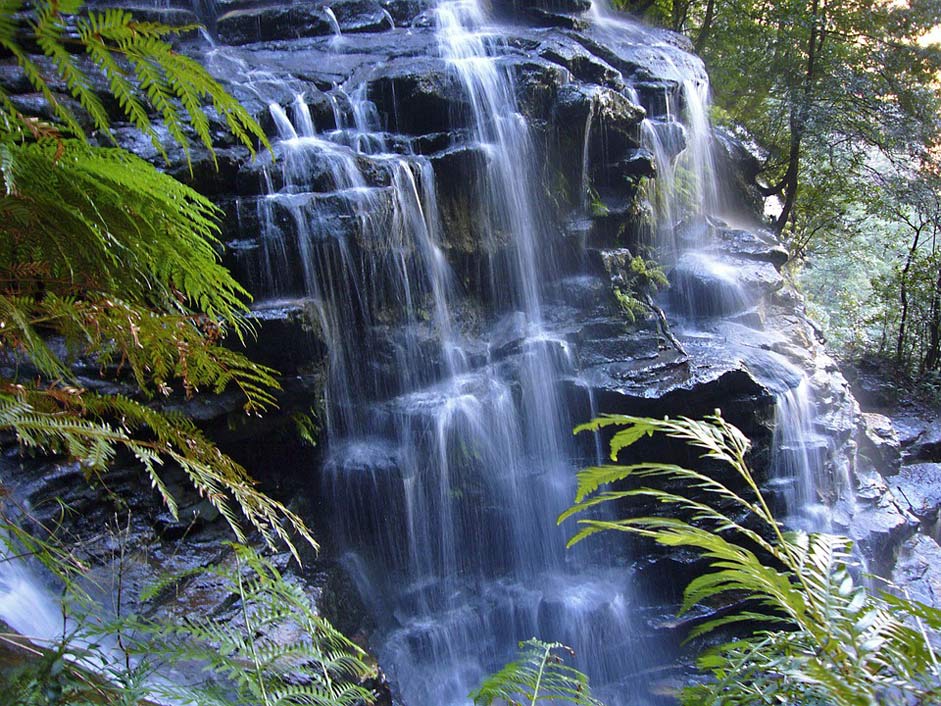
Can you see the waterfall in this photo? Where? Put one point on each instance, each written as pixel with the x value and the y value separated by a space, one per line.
pixel 448 450
pixel 586 145
pixel 447 458
pixel 797 456
pixel 686 198
pixel 26 605
pixel 334 23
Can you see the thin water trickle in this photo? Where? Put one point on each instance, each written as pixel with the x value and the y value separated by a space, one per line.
pixel 334 23
pixel 586 154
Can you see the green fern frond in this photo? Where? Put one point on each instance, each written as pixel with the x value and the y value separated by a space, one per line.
pixel 140 68
pixel 282 653
pixel 75 423
pixel 832 641
pixel 538 675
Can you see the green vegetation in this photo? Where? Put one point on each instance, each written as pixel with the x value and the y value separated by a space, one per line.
pixel 277 652
pixel 539 675
pixel 282 653
pixel 827 83
pixel 635 286
pixel 106 260
pixel 812 633
pixel 105 253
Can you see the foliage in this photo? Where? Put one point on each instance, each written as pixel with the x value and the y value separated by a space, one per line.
pixel 273 651
pixel 814 634
pixel 636 284
pixel 596 206
pixel 911 292
pixel 827 82
pixel 891 307
pixel 281 653
pixel 62 676
pixel 843 100
pixel 538 675
pixel 631 306
pixel 142 72
pixel 107 260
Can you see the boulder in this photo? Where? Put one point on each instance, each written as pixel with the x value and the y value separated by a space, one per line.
pixel 919 436
pixel 880 443
pixel 249 23
pixel 917 572
pixel 876 523
pixel 580 63
pixel 737 166
pixel 262 24
pixel 537 83
pixel 417 97
pixel 917 488
pixel 536 8
pixel 459 194
pixel 405 12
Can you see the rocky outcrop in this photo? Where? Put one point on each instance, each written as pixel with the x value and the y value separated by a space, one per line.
pixel 902 441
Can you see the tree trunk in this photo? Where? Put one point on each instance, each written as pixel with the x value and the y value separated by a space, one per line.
pixel 703 35
pixel 903 298
pixel 797 122
pixel 790 182
pixel 933 351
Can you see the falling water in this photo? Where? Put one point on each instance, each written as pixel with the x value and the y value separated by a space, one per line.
pixel 697 159
pixel 684 195
pixel 446 458
pixel 797 457
pixel 26 605
pixel 586 154
pixel 811 487
pixel 334 23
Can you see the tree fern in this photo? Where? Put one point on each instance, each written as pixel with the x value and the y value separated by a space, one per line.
pixel 94 428
pixel 821 638
pixel 273 649
pixel 538 675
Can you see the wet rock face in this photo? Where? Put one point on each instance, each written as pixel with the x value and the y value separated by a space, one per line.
pixel 119 528
pixel 918 570
pixel 376 66
pixel 917 488
pixel 880 443
pixel 248 22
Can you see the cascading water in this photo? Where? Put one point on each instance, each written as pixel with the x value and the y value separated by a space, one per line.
pixel 686 196
pixel 687 199
pixel 448 466
pixel 26 604
pixel 446 458
pixel 797 457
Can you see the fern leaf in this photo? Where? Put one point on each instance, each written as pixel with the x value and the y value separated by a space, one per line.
pixel 538 675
